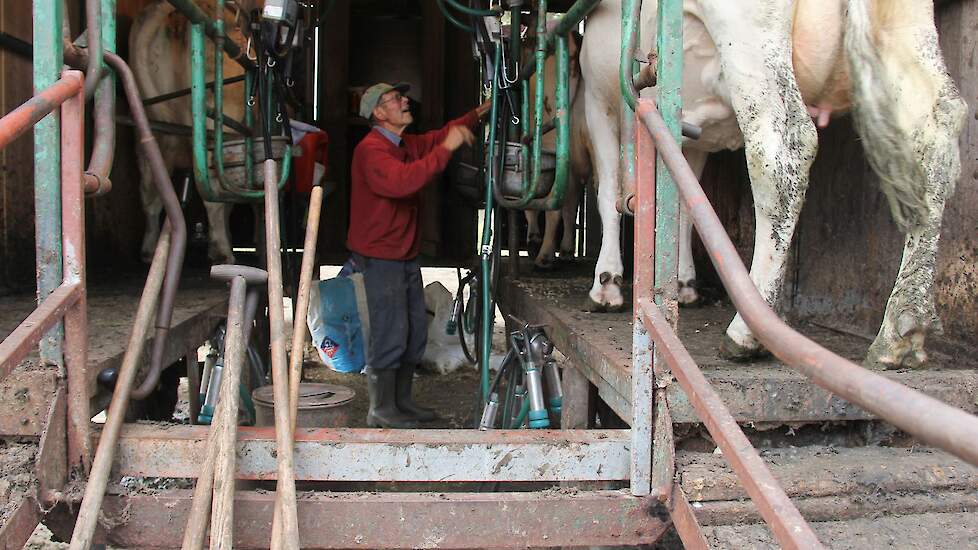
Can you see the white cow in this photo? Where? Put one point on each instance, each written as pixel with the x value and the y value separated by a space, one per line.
pixel 580 161
pixel 755 75
pixel 159 53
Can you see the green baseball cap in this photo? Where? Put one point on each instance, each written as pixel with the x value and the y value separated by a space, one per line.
pixel 372 95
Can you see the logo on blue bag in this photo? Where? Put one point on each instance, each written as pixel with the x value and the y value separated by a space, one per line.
pixel 329 347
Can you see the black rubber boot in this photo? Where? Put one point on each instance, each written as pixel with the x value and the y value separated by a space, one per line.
pixel 405 379
pixel 383 412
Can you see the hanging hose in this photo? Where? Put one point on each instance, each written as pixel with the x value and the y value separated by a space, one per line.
pixel 451 18
pixel 486 249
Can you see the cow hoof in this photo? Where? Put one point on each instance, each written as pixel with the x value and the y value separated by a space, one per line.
pixel 688 297
pixel 566 256
pixel 902 352
pixel 606 296
pixel 545 266
pixel 732 351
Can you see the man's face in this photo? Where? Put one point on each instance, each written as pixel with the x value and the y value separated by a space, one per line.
pixel 393 109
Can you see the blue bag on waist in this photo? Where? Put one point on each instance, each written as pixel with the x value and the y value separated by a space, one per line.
pixel 339 322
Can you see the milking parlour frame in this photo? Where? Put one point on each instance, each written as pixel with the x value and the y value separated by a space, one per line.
pixel 644 455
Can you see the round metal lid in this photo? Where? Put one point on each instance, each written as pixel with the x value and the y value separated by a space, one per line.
pixel 311 395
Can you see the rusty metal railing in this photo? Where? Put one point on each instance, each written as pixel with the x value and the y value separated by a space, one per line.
pixel 67 301
pixel 920 415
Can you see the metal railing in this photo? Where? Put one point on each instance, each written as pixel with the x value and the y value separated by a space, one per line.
pixel 929 420
pixel 68 300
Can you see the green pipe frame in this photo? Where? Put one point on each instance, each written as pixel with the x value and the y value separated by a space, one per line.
pixel 452 19
pixel 224 191
pixel 531 178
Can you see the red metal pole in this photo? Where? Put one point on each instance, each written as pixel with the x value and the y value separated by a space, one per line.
pixel 73 259
pixel 23 118
pixel 789 528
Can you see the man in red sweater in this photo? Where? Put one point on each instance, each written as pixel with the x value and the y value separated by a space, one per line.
pixel 389 170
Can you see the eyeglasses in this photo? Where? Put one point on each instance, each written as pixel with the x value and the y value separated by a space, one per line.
pixel 396 97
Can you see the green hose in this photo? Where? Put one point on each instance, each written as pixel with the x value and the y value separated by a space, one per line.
pixel 486 249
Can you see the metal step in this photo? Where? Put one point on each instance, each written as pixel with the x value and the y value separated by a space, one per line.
pixel 847 495
pixel 917 531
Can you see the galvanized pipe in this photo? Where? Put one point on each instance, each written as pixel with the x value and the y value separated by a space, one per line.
pixel 786 523
pixel 916 413
pixel 285 491
pixel 81 538
pixel 174 214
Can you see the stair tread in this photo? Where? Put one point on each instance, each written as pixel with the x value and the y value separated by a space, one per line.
pixel 917 531
pixel 825 471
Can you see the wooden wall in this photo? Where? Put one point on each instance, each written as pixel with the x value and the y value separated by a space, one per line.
pixel 847 249
pixel 114 222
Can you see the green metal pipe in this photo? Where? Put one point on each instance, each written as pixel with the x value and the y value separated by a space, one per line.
pixel 47 63
pixel 218 156
pixel 669 45
pixel 198 108
pixel 630 14
pixel 486 249
pixel 196 16
pixel 451 18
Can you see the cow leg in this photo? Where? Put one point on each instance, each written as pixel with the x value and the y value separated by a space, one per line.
pixel 219 233
pixel 605 293
pixel 568 214
pixel 687 271
pixel 930 110
pixel 546 256
pixel 534 242
pixel 779 136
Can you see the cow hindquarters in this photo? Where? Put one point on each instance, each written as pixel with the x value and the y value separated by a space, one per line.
pixel 932 115
pixel 779 138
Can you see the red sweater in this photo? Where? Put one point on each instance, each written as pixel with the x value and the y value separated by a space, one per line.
pixel 385 181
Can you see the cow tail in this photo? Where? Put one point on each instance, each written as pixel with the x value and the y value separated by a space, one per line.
pixel 888 146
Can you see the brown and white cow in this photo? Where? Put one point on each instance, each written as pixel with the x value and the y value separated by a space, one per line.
pixel 755 75
pixel 159 53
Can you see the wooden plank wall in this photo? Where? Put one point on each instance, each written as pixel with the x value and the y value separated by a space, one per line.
pixel 847 249
pixel 114 222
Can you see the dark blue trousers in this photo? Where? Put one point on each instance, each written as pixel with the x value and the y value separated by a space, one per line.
pixel 395 301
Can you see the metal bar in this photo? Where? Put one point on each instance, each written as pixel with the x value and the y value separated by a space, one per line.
pixel 186 91
pixel 18 343
pixel 18 527
pixel 81 538
pixel 197 16
pixel 485 336
pixel 685 521
pixel 402 520
pixel 48 60
pixel 373 455
pixel 789 528
pixel 920 415
pixel 643 185
pixel 73 262
pixel 93 31
pixel 285 490
pixel 663 449
pixel 193 382
pixel 103 147
pixel 174 217
pixel 32 111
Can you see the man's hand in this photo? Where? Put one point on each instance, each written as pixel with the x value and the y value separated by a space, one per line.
pixel 457 135
pixel 483 109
